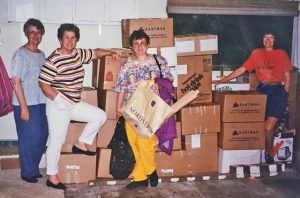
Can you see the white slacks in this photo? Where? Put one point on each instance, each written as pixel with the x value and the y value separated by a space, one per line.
pixel 58 121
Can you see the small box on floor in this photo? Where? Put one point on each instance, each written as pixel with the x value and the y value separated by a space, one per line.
pixel 76 168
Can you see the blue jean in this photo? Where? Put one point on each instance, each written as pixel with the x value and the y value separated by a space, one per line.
pixel 277 99
pixel 32 138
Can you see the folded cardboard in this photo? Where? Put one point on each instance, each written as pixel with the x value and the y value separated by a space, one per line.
pixel 237 157
pixel 74 131
pixel 195 73
pixel 190 162
pixel 196 44
pixel 76 168
pixel 89 95
pixel 242 136
pixel 107 102
pixel 160 31
pixel 200 118
pixel 241 106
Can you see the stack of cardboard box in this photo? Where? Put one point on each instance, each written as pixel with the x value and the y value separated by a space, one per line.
pixel 78 168
pixel 200 121
pixel 242 128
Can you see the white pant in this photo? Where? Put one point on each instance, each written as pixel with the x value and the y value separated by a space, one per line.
pixel 58 121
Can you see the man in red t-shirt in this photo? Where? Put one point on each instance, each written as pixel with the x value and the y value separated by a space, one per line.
pixel 273 68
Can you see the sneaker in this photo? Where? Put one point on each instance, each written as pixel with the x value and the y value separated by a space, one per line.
pixel 153 179
pixel 269 159
pixel 137 184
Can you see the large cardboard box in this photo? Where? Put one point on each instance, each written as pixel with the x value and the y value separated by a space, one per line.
pixel 105 70
pixel 159 30
pixel 76 168
pixel 201 159
pixel 242 136
pixel 89 95
pixel 237 157
pixel 107 102
pixel 196 44
pixel 241 106
pixel 204 118
pixel 195 73
pixel 74 131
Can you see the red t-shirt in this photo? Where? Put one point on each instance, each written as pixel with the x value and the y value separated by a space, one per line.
pixel 270 66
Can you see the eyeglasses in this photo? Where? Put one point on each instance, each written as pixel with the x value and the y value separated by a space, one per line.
pixel 136 44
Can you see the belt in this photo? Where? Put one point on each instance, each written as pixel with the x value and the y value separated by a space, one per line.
pixel 272 83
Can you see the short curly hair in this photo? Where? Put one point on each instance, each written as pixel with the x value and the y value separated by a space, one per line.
pixel 138 34
pixel 33 22
pixel 68 27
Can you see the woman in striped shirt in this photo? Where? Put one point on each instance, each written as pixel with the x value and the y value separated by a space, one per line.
pixel 61 80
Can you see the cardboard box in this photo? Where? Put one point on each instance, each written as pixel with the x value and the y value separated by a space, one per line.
pixel 241 106
pixel 105 70
pixel 106 132
pixel 190 162
pixel 204 118
pixel 89 95
pixel 198 141
pixel 194 73
pixel 242 136
pixel 231 87
pixel 74 131
pixel 237 157
pixel 103 164
pixel 9 162
pixel 107 102
pixel 159 30
pixel 76 168
pixel 196 44
pixel 216 75
pixel 176 141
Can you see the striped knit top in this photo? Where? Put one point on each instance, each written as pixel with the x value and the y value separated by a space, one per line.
pixel 65 73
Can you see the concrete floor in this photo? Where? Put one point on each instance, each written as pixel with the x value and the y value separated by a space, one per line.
pixel 286 184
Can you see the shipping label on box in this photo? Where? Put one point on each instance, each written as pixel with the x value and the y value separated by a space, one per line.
pixel 199 141
pixel 204 118
pixel 159 30
pixel 242 136
pixel 241 106
pixel 196 44
pixel 76 168
pixel 195 73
